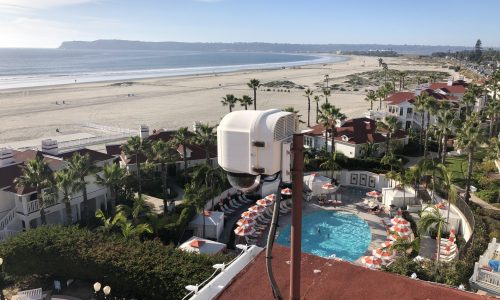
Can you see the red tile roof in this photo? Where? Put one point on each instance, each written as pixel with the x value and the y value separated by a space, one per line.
pixel 359 131
pixel 315 130
pixel 327 279
pixel 95 156
pixel 458 87
pixel 400 97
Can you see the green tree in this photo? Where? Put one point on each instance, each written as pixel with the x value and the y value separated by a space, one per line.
pixel 468 100
pixel 137 148
pixel 390 125
pixel 446 183
pixel 329 115
pixel 445 121
pixel 139 209
pixel 65 182
pixel 326 93
pixel 165 154
pixel 430 217
pixel 230 101
pixel 183 137
pixel 430 106
pixel 254 84
pixel 420 108
pixel 371 97
pixel 308 93
pixel 82 166
pixel 109 223
pixel 36 173
pixel 317 99
pixel 245 101
pixel 131 231
pixel 113 177
pixel 491 111
pixel 469 138
pixel 206 137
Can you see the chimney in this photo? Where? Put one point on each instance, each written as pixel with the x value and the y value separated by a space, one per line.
pixel 418 90
pixel 450 81
pixel 144 132
pixel 49 146
pixel 6 157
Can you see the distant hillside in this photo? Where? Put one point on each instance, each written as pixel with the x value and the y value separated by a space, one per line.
pixel 257 47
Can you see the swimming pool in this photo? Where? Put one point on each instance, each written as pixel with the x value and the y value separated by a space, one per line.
pixel 325 233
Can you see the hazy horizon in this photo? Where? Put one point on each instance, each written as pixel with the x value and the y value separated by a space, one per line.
pixel 47 23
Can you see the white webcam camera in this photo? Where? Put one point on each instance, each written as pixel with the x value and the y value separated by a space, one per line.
pixel 252 144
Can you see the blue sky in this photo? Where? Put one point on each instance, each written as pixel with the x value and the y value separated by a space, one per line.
pixel 46 23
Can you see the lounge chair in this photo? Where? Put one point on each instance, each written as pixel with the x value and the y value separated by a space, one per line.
pixel 227 209
pixel 34 294
pixel 245 199
pixel 234 204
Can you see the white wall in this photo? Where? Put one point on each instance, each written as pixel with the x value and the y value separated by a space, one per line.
pixel 371 181
pixel 348 150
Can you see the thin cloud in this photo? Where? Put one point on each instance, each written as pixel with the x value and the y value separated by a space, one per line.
pixel 17 6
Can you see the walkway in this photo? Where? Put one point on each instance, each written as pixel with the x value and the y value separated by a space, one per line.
pixel 482 203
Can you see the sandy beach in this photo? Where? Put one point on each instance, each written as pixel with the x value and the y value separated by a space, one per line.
pixel 32 113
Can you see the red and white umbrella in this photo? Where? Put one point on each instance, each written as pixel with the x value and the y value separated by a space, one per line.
pixel 257 208
pixel 328 186
pixel 286 191
pixel 271 197
pixel 396 236
pixel 401 230
pixel 400 221
pixel 244 230
pixel 374 194
pixel 249 215
pixel 449 249
pixel 452 231
pixel 245 222
pixel 371 261
pixel 384 253
pixel 386 244
pixel 264 202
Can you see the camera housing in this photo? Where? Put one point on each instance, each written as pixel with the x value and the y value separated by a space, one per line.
pixel 250 145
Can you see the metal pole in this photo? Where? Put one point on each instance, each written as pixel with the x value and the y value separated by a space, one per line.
pixel 297 181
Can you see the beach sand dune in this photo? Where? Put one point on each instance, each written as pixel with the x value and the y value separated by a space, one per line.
pixel 32 113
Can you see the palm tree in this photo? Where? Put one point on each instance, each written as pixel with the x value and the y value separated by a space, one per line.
pixel 469 138
pixel 113 178
pixel 327 77
pixel 430 217
pixel 308 93
pixel 380 62
pixel 317 99
pixel 371 97
pixel 131 231
pixel 430 105
pixel 468 100
pixel 182 137
pixel 82 166
pixel 493 83
pixel 445 122
pixel 420 108
pixel 35 173
pixel 370 149
pixel 326 93
pixel 206 137
pixel 139 209
pixel 164 154
pixel 254 84
pixel 390 125
pixel 109 223
pixel 446 183
pixel 245 101
pixel 329 117
pixel 491 111
pixel 136 147
pixel 64 181
pixel 230 101
pixel 432 77
pixel 296 112
pixel 404 246
pixel 403 76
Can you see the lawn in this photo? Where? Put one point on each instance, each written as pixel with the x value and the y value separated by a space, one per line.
pixel 458 166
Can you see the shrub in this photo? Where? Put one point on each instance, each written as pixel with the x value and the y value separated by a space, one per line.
pixel 133 269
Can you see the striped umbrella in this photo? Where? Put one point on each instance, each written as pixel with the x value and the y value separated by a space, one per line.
pixel 386 244
pixel 395 237
pixel 371 261
pixel 384 253
pixel 257 208
pixel 374 194
pixel 249 215
pixel 244 230
pixel 245 222
pixel 271 197
pixel 401 230
pixel 397 220
pixel 286 191
pixel 264 202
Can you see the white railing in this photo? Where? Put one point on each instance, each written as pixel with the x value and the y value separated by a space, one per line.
pixel 4 234
pixel 488 277
pixel 7 218
pixel 33 206
pixel 94 140
pixel 109 128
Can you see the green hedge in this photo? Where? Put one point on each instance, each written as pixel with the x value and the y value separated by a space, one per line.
pixel 171 233
pixel 147 270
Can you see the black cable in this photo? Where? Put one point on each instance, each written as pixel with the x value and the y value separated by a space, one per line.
pixel 270 242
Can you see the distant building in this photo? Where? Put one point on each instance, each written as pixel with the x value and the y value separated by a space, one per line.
pixel 196 154
pixel 352 138
pixel 20 207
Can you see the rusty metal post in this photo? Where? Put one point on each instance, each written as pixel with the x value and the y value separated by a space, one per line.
pixel 296 233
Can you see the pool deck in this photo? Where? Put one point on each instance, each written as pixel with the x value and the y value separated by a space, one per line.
pixel 377 229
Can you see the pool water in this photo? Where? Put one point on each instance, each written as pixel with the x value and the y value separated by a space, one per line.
pixel 325 233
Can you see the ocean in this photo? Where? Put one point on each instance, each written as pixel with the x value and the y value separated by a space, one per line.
pixel 41 67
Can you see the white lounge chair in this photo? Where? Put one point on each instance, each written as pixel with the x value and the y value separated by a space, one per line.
pixel 234 203
pixel 245 199
pixel 227 209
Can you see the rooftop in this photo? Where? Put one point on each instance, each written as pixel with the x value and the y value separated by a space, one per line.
pixel 327 279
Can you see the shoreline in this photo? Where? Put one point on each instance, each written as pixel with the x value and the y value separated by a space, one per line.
pixel 173 102
pixel 56 80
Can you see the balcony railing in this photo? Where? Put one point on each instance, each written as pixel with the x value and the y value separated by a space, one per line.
pixel 488 277
pixel 33 206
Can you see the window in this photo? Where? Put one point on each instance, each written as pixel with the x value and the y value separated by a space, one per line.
pixel 409 110
pixel 401 112
pixel 408 125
